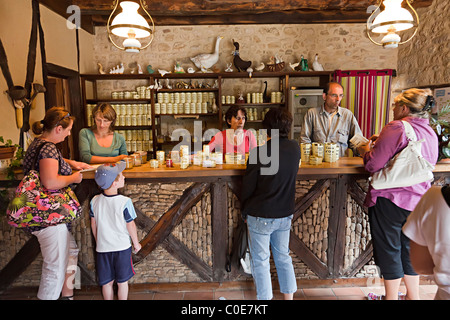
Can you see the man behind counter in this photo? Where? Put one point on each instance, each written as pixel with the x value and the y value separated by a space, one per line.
pixel 330 122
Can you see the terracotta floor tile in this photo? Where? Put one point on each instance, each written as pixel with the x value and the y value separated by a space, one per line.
pixel 168 295
pixel 348 291
pixel 199 295
pixel 316 292
pixel 141 296
pixel 229 295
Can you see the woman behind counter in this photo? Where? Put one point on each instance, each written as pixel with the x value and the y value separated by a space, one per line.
pixel 236 139
pixel 100 144
pixel 389 208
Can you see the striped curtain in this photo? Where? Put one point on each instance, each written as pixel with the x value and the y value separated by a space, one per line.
pixel 367 93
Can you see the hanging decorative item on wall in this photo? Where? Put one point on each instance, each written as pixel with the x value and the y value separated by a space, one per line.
pixel 22 97
pixel 131 25
pixel 390 19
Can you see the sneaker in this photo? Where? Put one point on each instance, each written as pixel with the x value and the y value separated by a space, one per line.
pixel 374 296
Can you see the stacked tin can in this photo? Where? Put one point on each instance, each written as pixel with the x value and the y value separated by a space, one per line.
pixel 136 114
pixel 331 151
pixel 183 102
pixel 137 139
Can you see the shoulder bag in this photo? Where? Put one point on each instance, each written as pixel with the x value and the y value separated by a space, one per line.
pixel 406 168
pixel 34 205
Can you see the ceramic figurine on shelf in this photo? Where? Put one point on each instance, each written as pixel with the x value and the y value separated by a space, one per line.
pixel 303 64
pixel 250 72
pixel 276 64
pixel 241 65
pixel 100 68
pixel 150 69
pixel 240 99
pixel 120 69
pixel 316 65
pixel 294 65
pixel 229 68
pixel 260 67
pixel 205 61
pixel 140 69
pixel 163 72
pixel 190 70
pixel 178 68
pixel 214 106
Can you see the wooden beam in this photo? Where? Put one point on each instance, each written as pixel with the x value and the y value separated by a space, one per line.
pixel 310 259
pixel 26 255
pixel 219 7
pixel 176 248
pixel 219 207
pixel 162 229
pixel 336 226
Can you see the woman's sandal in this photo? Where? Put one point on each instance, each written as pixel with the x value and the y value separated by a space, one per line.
pixel 66 298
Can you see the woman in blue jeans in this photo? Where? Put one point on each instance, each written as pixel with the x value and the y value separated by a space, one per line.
pixel 268 202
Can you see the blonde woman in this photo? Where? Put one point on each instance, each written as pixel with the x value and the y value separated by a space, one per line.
pixel 100 144
pixel 389 208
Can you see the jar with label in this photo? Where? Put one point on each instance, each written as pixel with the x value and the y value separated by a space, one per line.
pixel 154 163
pixel 137 161
pixel 129 162
pixel 305 149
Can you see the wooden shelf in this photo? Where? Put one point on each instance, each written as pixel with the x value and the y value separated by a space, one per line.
pixel 119 101
pixel 283 77
pixel 264 104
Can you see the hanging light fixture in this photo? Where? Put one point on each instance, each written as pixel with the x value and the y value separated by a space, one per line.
pixel 131 25
pixel 392 20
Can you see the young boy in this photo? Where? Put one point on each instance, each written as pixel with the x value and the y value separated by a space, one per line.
pixel 112 224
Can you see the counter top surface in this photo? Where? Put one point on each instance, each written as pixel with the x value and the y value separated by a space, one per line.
pixel 351 165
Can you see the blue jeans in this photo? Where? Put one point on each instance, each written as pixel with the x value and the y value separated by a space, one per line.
pixel 275 233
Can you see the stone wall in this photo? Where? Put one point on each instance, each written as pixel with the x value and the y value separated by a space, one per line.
pixel 425 59
pixel 195 232
pixel 340 46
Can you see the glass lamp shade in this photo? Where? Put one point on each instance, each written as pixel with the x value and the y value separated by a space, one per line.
pixel 393 16
pixel 128 19
pixel 131 45
pixel 391 40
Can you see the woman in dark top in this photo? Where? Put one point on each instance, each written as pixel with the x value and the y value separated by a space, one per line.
pixel 268 202
pixel 59 250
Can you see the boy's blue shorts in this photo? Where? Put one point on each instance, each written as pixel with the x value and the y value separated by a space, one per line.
pixel 116 265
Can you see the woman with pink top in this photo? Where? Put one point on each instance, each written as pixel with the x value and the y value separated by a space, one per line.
pixel 235 139
pixel 389 208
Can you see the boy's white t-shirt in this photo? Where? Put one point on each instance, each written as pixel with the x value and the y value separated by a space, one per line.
pixel 111 214
pixel 428 226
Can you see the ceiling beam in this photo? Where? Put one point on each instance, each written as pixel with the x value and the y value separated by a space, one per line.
pixel 227 12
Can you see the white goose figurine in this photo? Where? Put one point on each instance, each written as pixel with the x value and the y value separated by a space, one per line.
pixel 316 65
pixel 207 60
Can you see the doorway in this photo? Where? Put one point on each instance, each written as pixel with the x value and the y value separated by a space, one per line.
pixel 63 90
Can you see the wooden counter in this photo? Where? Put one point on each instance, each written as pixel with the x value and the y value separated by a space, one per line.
pixel 187 221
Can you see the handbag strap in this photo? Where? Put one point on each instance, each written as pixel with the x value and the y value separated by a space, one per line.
pixel 409 131
pixel 38 152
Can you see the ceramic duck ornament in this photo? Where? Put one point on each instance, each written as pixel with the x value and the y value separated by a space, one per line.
pixel 100 68
pixel 240 64
pixel 316 65
pixel 205 61
pixel 260 67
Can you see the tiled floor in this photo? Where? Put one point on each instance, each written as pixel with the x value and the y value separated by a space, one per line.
pixel 235 291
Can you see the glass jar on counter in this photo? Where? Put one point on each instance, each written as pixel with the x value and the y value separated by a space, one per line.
pixel 129 161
